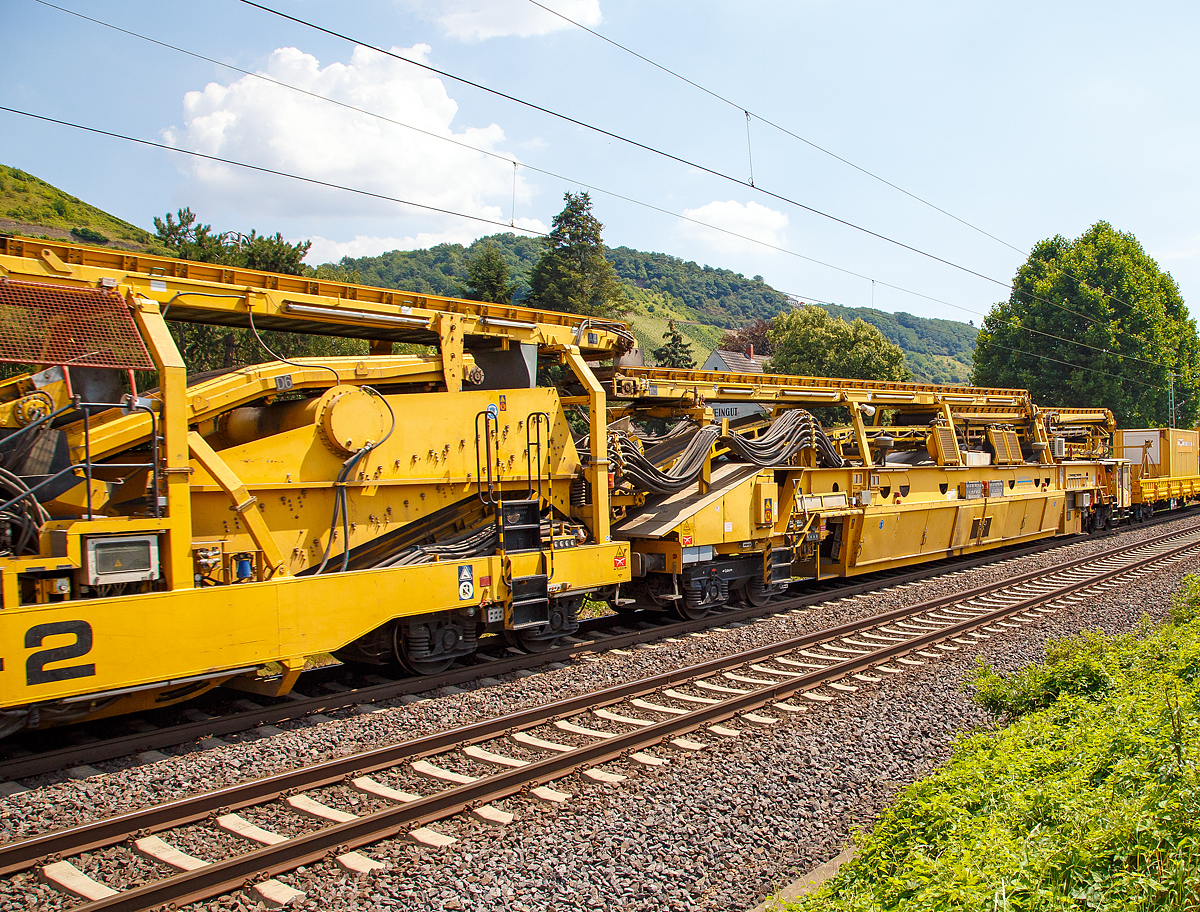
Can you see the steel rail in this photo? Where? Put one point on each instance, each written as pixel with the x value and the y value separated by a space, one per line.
pixel 23 854
pixel 67 756
pixel 233 873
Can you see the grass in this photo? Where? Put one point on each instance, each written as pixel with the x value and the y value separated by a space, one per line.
pixel 30 200
pixel 1088 798
pixel 652 312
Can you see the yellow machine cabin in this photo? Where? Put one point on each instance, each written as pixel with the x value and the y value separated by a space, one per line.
pixel 162 534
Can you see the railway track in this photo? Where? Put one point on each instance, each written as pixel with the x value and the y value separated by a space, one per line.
pixel 58 749
pixel 406 787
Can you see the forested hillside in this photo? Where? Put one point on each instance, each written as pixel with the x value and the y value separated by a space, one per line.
pixel 937 351
pixel 701 300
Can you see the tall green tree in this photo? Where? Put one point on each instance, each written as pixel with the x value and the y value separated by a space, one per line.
pixel 1090 322
pixel 185 237
pixel 809 342
pixel 674 352
pixel 210 348
pixel 488 276
pixel 573 274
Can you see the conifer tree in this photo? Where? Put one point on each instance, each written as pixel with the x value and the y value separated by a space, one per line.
pixel 488 276
pixel 573 274
pixel 674 352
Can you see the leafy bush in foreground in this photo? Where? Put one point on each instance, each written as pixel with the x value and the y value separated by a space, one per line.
pixel 1088 800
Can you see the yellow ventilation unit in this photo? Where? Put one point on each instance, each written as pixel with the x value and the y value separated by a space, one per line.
pixel 1006 446
pixel 943 445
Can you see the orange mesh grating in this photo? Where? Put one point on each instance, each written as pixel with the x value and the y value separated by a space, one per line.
pixel 56 324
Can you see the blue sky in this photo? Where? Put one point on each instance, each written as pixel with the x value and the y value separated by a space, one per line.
pixel 1023 119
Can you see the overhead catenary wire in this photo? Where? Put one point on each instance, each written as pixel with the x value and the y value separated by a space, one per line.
pixel 815 146
pixel 263 170
pixel 647 148
pixel 597 189
pixel 279 173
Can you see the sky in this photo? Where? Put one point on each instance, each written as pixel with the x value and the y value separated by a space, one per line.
pixel 815 145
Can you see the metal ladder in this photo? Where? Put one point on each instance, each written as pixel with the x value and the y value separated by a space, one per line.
pixel 518 520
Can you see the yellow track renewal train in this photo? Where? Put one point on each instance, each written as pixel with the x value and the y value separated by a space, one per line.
pixel 163 534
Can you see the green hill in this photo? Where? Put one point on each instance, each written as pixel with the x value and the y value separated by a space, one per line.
pixel 703 301
pixel 937 351
pixel 30 206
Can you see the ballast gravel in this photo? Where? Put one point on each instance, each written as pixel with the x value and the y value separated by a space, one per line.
pixel 713 829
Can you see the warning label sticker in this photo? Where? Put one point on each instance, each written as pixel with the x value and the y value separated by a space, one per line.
pixel 466 583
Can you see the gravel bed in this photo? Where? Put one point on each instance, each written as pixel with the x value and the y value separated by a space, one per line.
pixel 277 817
pixel 720 828
pixel 206 841
pixel 714 831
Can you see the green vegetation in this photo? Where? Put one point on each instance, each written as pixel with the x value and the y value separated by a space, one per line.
pixel 718 297
pixel 936 351
pixel 189 240
pixel 1088 800
pixel 809 342
pixel 674 352
pixel 1101 291
pixel 31 201
pixel 710 307
pixel 572 274
pixel 703 302
pixel 489 277
pixel 209 348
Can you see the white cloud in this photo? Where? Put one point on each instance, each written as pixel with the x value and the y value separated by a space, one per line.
pixel 326 250
pixel 478 20
pixel 254 121
pixel 750 220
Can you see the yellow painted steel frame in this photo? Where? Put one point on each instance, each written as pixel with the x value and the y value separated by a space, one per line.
pixel 222 294
pixel 103 647
pixel 1157 490
pixel 160 636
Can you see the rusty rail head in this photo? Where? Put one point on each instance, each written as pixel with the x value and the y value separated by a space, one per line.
pixel 21 855
pixel 233 873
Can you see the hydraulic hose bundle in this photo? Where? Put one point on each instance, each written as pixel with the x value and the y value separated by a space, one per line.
pixel 791 432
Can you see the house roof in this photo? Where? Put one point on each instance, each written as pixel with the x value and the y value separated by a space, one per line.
pixel 739 362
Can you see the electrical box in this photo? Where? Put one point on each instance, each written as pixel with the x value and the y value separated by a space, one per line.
pixel 121 559
pixel 766 496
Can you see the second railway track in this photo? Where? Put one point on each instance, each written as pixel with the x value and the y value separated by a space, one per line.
pixel 471 767
pixel 58 749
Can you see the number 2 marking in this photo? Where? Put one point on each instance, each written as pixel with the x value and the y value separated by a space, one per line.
pixel 35 666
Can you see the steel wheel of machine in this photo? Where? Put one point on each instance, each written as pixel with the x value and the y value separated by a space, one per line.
pixel 533 640
pixel 404 646
pixel 689 610
pixel 756 592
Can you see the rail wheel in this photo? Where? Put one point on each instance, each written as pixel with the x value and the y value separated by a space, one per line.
pixel 564 620
pixel 757 593
pixel 426 649
pixel 699 603
pixel 531 641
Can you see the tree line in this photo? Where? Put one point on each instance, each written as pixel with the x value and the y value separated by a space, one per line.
pixel 1093 321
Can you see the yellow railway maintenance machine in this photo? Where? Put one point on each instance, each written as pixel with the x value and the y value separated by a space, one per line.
pixel 163 534
pixel 902 473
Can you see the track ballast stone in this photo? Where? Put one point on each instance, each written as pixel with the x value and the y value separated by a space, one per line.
pixel 713 829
